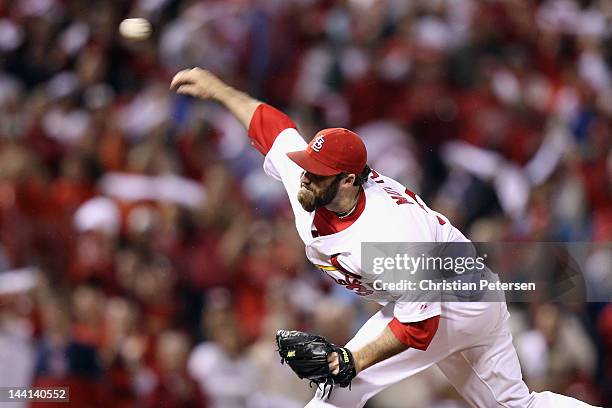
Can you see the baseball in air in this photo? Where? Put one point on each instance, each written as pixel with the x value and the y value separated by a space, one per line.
pixel 135 28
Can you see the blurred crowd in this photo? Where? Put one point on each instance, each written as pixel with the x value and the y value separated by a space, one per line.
pixel 149 260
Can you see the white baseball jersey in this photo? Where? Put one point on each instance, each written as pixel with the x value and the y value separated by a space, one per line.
pixel 473 344
pixel 392 214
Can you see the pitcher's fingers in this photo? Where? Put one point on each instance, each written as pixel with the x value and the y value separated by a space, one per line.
pixel 187 89
pixel 332 357
pixel 180 78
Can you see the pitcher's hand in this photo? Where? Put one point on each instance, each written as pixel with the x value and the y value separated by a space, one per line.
pixel 333 363
pixel 197 82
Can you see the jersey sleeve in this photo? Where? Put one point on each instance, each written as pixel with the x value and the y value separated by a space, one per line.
pixel 279 166
pixel 266 124
pixel 417 335
pixel 275 135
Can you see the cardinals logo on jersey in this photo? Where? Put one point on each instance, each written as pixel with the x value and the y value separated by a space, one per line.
pixel 345 278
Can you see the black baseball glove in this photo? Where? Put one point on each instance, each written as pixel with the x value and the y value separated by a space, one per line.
pixel 307 355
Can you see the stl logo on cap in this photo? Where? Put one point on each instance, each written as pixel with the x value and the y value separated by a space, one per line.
pixel 332 151
pixel 318 144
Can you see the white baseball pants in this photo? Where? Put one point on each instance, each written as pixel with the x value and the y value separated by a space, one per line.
pixel 473 348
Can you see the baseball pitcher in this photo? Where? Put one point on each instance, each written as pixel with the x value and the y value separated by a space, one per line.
pixel 338 202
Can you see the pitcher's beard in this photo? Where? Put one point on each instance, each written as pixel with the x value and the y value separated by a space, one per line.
pixel 310 201
pixel 307 199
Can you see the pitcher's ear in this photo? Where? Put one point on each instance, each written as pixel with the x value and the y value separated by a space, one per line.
pixel 351 178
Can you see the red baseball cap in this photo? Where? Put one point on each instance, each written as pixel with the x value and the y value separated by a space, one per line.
pixel 332 151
